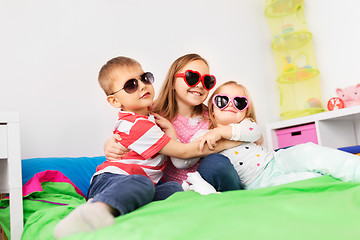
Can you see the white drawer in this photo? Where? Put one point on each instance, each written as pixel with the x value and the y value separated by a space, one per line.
pixel 4 176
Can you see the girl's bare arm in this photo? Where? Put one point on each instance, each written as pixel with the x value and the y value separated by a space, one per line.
pixel 190 150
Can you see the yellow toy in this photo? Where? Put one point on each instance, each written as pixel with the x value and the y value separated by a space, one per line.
pixel 298 76
pixel 289 67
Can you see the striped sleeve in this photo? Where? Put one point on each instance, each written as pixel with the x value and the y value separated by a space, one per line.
pixel 141 135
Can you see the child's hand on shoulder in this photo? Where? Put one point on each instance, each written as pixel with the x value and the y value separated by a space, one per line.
pixel 166 126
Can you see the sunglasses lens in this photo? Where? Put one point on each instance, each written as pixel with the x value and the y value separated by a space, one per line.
pixel 192 78
pixel 221 101
pixel 147 78
pixel 209 82
pixel 131 86
pixel 240 103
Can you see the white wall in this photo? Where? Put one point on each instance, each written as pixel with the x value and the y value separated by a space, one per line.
pixel 51 52
pixel 336 38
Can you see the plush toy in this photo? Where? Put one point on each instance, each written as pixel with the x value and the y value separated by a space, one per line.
pixel 350 95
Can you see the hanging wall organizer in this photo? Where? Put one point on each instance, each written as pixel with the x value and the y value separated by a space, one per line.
pixel 298 76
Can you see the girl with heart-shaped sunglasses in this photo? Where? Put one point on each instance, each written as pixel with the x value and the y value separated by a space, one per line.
pixel 232 116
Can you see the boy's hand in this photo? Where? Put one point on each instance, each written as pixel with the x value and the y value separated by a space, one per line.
pixel 166 126
pixel 113 149
pixel 210 138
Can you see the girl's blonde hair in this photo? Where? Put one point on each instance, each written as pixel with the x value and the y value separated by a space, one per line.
pixel 250 111
pixel 166 101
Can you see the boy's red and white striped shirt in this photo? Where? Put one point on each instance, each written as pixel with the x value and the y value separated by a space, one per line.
pixel 145 139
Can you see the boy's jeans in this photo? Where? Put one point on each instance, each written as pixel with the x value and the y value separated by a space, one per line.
pixel 125 193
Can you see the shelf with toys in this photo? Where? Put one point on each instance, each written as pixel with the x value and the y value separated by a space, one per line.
pixel 302 112
pixel 338 129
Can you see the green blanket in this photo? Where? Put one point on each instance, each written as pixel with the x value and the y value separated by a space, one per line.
pixel 320 208
pixel 42 210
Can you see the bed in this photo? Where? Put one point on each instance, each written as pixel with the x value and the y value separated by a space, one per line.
pixel 319 208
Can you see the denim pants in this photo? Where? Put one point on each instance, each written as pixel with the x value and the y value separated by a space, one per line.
pixel 125 193
pixel 217 170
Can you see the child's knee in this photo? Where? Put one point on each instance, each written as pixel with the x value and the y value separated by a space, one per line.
pixel 215 159
pixel 143 181
pixel 174 186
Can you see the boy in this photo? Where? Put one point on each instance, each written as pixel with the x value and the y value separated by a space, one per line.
pixel 119 187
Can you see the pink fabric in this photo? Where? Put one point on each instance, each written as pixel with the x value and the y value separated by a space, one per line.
pixel 173 174
pixel 34 184
pixel 185 128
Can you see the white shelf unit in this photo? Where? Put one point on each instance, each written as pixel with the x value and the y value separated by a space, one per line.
pixel 338 128
pixel 10 169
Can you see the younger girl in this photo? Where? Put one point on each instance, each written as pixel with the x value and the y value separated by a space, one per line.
pixel 180 101
pixel 232 117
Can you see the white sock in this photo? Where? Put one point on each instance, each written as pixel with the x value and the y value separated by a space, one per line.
pixel 199 185
pixel 185 186
pixel 85 218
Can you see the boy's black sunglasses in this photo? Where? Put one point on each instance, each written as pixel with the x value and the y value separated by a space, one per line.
pixel 132 85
